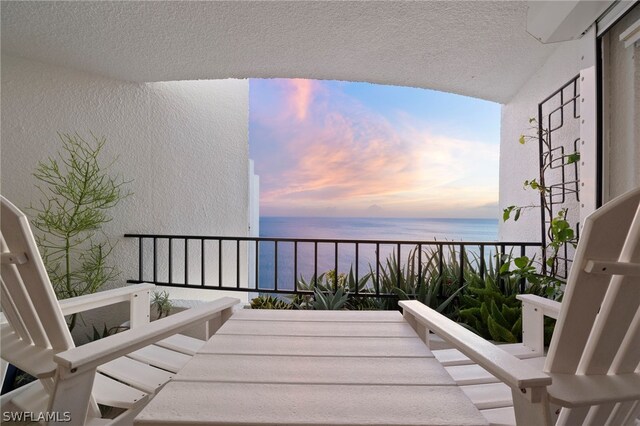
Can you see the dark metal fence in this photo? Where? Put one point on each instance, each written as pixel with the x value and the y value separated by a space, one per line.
pixel 288 265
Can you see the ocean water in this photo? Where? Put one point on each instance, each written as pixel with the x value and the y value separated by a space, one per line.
pixel 386 229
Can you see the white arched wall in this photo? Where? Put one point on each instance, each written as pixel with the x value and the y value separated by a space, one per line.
pixel 183 145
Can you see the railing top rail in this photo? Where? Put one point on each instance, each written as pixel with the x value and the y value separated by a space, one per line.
pixel 338 241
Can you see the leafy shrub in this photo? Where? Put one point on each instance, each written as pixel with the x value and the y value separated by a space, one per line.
pixel 161 302
pixel 78 194
pixel 269 302
pixel 489 306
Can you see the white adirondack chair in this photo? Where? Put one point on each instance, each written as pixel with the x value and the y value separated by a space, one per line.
pixel 591 374
pixel 124 370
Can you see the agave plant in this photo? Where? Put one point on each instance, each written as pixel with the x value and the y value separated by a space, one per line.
pixel 269 302
pixel 326 286
pixel 436 284
pixel 330 281
pixel 328 301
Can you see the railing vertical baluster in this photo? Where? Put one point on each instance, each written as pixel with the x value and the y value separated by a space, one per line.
pixel 202 262
pixel 440 260
pixel 335 283
pixel 237 263
pixel 399 278
pixel 377 269
pixel 462 264
pixel 482 265
pixel 275 267
pixel 186 261
pixel 257 264
pixel 419 265
pixel 140 260
pixel 357 261
pixel 155 260
pixel 315 262
pixel 522 280
pixel 170 260
pixel 295 266
pixel 500 280
pixel 220 263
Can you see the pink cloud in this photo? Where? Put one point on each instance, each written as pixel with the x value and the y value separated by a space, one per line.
pixel 301 96
pixel 344 158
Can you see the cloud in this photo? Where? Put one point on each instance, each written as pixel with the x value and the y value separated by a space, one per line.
pixel 338 152
pixel 301 96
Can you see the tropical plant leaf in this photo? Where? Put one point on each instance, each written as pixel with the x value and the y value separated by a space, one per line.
pixel 499 333
pixel 497 316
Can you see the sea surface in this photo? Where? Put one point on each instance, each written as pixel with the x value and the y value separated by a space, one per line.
pixel 340 228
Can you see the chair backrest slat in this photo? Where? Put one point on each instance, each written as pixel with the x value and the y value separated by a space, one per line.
pixel 628 358
pixel 572 416
pixel 630 418
pixel 32 277
pixel 599 414
pixel 619 307
pixel 18 296
pixel 623 414
pixel 604 235
pixel 11 313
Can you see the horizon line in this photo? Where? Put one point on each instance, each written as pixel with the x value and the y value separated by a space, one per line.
pixel 378 217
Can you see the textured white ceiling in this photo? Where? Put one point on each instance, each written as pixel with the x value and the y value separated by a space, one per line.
pixel 473 48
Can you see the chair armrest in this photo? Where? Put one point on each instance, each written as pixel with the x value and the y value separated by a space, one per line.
pixel 101 298
pixel 534 309
pixel 549 308
pixel 509 369
pixel 91 355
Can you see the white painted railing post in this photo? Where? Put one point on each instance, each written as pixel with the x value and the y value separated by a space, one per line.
pixel 140 306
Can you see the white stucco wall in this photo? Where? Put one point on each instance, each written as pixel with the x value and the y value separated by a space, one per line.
pixel 520 162
pixel 183 144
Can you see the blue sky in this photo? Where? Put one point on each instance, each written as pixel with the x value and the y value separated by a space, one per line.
pixel 329 148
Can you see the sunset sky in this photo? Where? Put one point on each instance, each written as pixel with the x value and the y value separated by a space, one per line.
pixel 329 148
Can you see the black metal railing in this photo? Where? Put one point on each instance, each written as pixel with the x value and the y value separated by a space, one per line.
pixel 288 265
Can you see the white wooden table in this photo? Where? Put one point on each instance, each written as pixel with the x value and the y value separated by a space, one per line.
pixel 314 368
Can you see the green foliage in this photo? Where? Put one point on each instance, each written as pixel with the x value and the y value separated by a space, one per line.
pixel 573 158
pixel 269 302
pixel 328 281
pixel 489 306
pixel 438 289
pixel 490 311
pixel 78 194
pixel 329 301
pixel 106 332
pixel 506 213
pixel 327 285
pixel 559 230
pixel 161 302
